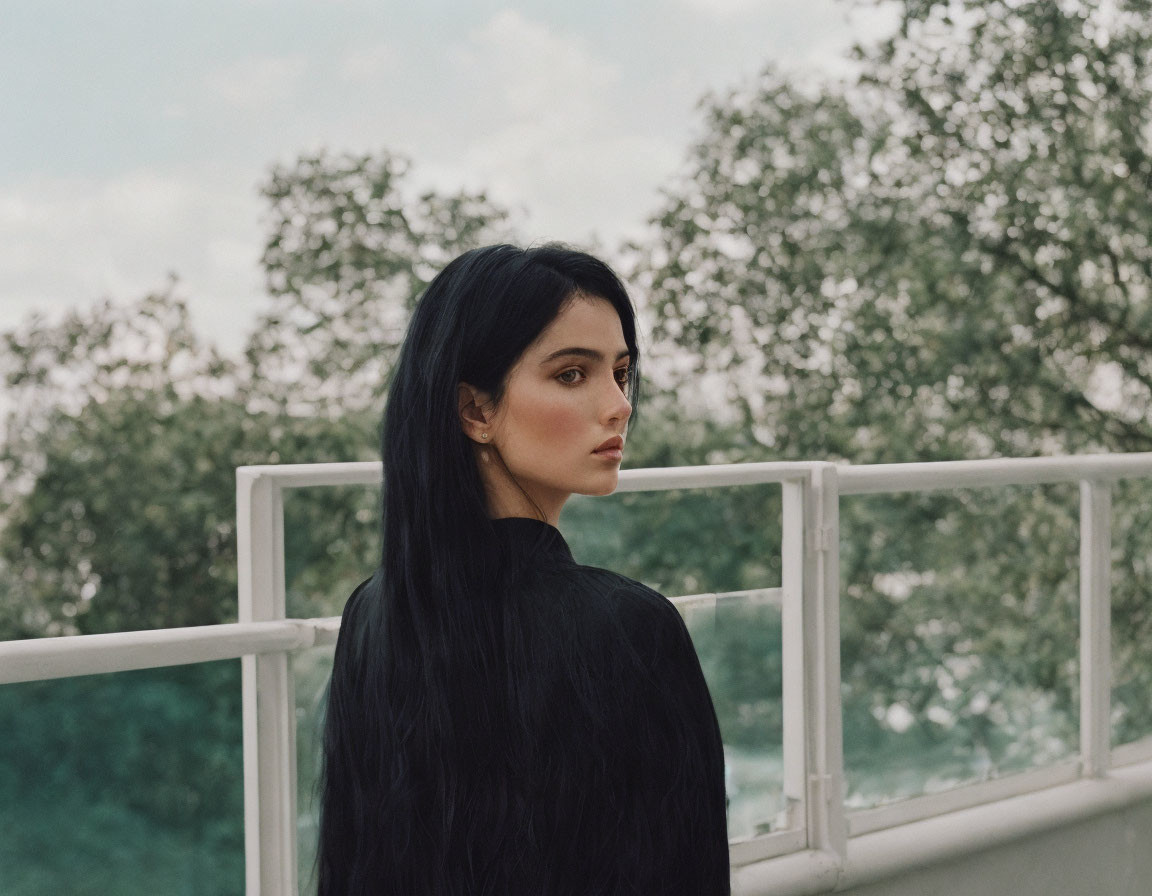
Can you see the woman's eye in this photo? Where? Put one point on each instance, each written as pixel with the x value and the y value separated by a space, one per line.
pixel 622 375
pixel 570 377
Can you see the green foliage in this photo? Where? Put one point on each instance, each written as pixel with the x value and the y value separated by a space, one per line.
pixel 1131 611
pixel 116 469
pixel 740 652
pixel 944 258
pixel 349 251
pixel 129 782
pixel 122 509
pixel 947 258
pixel 331 544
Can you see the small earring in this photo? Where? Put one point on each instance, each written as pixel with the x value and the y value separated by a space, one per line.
pixel 483 435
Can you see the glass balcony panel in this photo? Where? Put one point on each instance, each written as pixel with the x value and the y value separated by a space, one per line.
pixel 123 783
pixel 738 642
pixel 694 541
pixel 684 541
pixel 1131 610
pixel 311 670
pixel 959 620
pixel 331 545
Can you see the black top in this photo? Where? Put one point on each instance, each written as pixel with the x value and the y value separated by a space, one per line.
pixel 614 782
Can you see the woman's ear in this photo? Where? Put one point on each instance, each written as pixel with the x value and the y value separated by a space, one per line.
pixel 474 419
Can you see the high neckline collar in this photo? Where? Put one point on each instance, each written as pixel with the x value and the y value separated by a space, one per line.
pixel 534 535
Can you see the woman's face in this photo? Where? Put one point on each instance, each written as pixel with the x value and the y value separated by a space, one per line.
pixel 559 428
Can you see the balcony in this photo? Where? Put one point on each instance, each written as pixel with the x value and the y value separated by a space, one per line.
pixel 1067 815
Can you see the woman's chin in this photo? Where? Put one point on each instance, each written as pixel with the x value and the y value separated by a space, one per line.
pixel 598 489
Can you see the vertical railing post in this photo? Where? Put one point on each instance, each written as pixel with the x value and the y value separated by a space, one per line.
pixel 269 704
pixel 792 647
pixel 1095 627
pixel 827 828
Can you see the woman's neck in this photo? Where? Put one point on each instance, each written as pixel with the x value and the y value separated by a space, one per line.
pixel 508 498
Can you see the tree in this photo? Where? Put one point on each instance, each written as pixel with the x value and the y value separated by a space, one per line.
pixel 945 257
pixel 958 234
pixel 349 251
pixel 115 472
pixel 120 452
pixel 120 479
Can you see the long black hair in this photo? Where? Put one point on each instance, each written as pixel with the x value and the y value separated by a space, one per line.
pixel 430 624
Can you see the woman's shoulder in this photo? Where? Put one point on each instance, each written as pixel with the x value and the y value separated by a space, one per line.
pixel 354 606
pixel 624 599
pixel 632 593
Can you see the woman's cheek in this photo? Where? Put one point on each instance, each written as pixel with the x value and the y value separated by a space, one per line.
pixel 550 418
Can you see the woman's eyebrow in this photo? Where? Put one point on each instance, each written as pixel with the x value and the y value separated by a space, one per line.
pixel 589 353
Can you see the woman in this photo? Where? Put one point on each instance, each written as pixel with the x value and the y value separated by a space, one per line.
pixel 502 720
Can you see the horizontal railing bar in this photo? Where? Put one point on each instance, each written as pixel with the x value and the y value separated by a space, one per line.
pixel 44 658
pixel 865 821
pixel 309 475
pixel 894 852
pixel 38 659
pixel 713 476
pixel 1129 753
pixel 325 631
pixel 766 846
pixel 870 479
pixel 887 854
pixel 917 477
pixel 771 596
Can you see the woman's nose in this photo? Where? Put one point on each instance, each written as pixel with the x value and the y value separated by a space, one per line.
pixel 618 407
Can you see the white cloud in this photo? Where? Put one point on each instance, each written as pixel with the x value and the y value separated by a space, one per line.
pixel 826 52
pixel 367 64
pixel 573 123
pixel 724 7
pixel 257 80
pixel 69 242
pixel 549 129
pixel 531 72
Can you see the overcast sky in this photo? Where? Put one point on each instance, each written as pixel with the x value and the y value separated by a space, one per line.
pixel 135 133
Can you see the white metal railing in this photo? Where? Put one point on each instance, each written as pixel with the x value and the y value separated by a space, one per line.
pixel 816 850
pixel 812 754
pixel 809 601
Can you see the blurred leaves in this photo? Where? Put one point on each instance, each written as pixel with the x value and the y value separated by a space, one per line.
pixel 118 465
pixel 128 782
pixel 120 478
pixel 349 250
pixel 944 257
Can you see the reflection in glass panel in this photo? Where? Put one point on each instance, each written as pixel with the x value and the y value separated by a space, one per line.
pixel 331 545
pixel 1131 610
pixel 959 644
pixel 310 671
pixel 738 641
pixel 685 541
pixel 123 783
pixel 693 541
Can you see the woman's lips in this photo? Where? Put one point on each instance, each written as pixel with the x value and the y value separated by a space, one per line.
pixel 613 449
